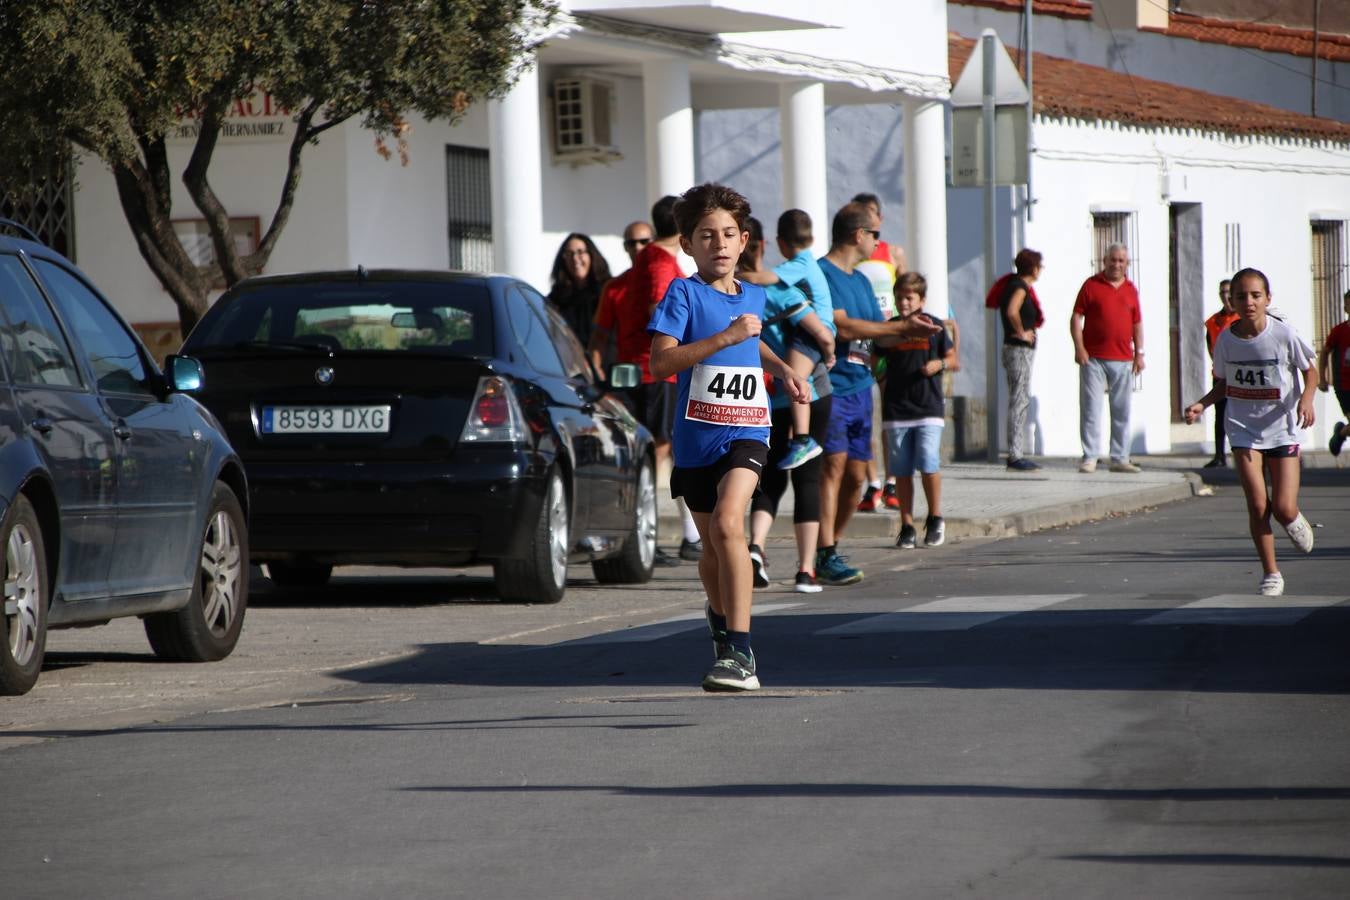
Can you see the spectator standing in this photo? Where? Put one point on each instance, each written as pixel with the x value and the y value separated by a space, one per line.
pixel 1108 340
pixel 786 310
pixel 848 440
pixel 579 273
pixel 1022 316
pixel 635 237
pixel 881 268
pixel 913 411
pixel 1214 326
pixel 653 401
pixel 1333 370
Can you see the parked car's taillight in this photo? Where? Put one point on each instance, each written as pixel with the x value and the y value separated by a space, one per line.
pixel 494 416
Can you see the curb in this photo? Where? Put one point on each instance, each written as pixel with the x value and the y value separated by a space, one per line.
pixel 887 525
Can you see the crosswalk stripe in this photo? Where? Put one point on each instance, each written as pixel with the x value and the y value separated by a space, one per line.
pixel 949 614
pixel 664 628
pixel 1242 609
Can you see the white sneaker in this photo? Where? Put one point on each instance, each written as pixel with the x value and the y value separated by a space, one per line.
pixel 1272 585
pixel 1301 533
pixel 1087 466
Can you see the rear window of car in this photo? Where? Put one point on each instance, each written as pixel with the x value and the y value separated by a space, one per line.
pixel 450 317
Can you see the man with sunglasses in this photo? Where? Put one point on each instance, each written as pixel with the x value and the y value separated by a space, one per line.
pixel 635 237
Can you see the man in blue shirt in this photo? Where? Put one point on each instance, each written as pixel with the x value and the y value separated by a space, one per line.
pixel 858 321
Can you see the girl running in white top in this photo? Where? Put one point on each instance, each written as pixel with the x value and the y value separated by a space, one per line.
pixel 1256 364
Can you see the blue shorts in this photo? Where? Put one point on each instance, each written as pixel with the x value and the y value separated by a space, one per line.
pixel 850 429
pixel 911 447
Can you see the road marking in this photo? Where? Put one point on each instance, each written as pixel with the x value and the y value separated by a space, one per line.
pixel 1242 609
pixel 950 614
pixel 664 628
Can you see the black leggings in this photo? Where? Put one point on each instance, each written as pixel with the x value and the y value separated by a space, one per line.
pixel 1220 406
pixel 805 478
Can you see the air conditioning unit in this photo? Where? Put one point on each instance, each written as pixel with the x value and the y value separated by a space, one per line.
pixel 583 120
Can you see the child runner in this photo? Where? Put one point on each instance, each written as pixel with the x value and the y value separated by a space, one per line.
pixel 912 411
pixel 706 331
pixel 1256 361
pixel 1335 356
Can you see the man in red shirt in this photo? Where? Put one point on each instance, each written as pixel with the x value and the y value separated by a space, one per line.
pixel 1333 367
pixel 1214 326
pixel 635 238
pixel 1108 341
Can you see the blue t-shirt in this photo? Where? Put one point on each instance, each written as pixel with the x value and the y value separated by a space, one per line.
pixel 691 311
pixel 780 298
pixel 801 270
pixel 853 294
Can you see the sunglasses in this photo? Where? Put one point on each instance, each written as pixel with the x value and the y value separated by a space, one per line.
pixel 637 242
pixel 874 232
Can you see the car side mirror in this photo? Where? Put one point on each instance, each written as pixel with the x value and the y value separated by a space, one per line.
pixel 184 373
pixel 623 376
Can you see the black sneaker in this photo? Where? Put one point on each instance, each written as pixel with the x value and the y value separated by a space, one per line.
pixel 1338 435
pixel 719 635
pixel 691 550
pixel 759 565
pixel 733 671
pixel 662 558
pixel 1218 462
pixel 908 538
pixel 934 532
pixel 1023 465
pixel 806 584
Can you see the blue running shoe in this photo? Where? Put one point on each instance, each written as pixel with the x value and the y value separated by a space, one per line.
pixel 800 450
pixel 834 569
pixel 733 671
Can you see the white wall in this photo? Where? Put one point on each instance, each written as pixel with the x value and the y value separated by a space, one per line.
pixel 1278 79
pixel 1271 188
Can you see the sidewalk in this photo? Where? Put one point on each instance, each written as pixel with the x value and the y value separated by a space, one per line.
pixel 986 500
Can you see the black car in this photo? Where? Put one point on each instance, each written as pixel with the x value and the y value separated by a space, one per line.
pixel 119 494
pixel 425 418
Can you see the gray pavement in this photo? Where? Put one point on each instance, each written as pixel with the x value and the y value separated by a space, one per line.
pixel 987 500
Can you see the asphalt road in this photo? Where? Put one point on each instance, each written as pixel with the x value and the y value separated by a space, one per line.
pixel 1100 711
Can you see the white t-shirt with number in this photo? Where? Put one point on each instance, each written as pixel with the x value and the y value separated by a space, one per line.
pixel 1262 384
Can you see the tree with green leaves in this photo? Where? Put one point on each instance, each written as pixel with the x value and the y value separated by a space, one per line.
pixel 116 77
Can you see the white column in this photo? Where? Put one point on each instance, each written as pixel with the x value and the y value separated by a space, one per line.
pixel 517 183
pixel 926 199
pixel 668 117
pixel 801 112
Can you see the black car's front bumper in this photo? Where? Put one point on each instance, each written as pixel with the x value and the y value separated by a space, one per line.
pixel 482 506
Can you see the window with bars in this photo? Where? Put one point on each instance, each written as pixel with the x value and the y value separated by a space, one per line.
pixel 1115 228
pixel 1330 276
pixel 1232 247
pixel 468 187
pixel 45 206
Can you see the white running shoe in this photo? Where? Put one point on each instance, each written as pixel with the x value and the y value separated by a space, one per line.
pixel 1301 533
pixel 1272 585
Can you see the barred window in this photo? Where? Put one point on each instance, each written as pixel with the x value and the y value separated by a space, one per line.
pixel 1115 228
pixel 44 205
pixel 1330 276
pixel 469 195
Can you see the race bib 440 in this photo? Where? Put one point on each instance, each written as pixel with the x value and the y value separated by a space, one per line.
pixel 1252 379
pixel 727 395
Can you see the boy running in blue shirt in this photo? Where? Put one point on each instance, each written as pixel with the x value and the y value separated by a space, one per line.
pixel 706 331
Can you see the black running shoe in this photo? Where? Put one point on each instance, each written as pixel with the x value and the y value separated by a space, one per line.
pixel 759 565
pixel 691 550
pixel 733 671
pixel 908 538
pixel 934 532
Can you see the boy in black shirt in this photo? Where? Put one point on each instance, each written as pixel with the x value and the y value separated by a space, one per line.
pixel 912 411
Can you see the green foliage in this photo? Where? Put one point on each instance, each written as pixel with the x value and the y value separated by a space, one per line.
pixel 111 75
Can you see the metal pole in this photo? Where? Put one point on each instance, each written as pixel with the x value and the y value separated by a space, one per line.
pixel 1031 110
pixel 987 41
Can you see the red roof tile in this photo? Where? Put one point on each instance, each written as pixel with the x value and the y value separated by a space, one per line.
pixel 1209 30
pixel 1076 90
pixel 1272 38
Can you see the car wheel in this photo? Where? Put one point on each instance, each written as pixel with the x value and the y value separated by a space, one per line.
pixel 207 628
pixel 298 575
pixel 24 621
pixel 542 575
pixel 633 564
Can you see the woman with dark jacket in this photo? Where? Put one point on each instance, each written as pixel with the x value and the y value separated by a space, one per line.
pixel 1021 314
pixel 579 273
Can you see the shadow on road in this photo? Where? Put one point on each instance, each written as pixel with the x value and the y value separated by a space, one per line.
pixel 1043 650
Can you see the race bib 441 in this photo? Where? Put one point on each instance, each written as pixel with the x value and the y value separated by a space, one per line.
pixel 727 395
pixel 1252 379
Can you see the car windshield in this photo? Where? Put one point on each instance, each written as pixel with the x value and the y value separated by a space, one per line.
pixel 377 315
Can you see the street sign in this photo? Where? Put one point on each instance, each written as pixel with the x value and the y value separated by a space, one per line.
pixel 1010 121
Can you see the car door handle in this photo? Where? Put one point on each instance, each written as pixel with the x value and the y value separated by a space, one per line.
pixel 43 425
pixel 122 432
